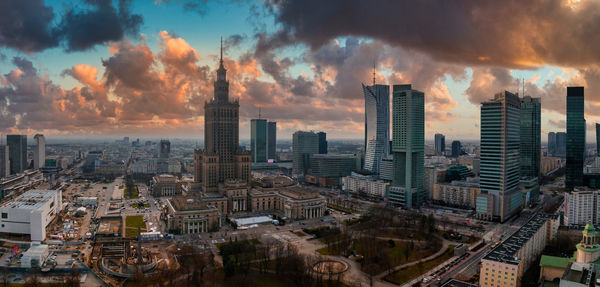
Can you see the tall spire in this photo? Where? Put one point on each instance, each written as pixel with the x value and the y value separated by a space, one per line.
pixel 221 59
pixel 373 73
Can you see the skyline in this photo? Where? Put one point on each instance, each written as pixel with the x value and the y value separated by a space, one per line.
pixel 151 76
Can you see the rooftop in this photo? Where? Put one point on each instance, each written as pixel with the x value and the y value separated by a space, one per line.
pixel 32 199
pixel 553 261
pixel 507 251
pixel 188 203
pixel 457 283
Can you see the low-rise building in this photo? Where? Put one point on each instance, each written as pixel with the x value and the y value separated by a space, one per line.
pixel 461 193
pixel 191 215
pixel 30 213
pixel 87 201
pixel 365 185
pixel 165 185
pixel 581 207
pixel 35 256
pixel 505 265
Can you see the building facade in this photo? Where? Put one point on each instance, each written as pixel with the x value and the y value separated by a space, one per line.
pixel 500 196
pixel 4 161
pixel 304 144
pixel 17 151
pixel 440 144
pixel 188 215
pixel 531 113
pixel 561 144
pixel 505 265
pixel 322 142
pixel 377 125
pixel 30 213
pixel 221 158
pixel 597 139
pixel 272 141
pixel 460 193
pixel 551 144
pixel 258 140
pixel 365 186
pixel 39 151
pixel 165 185
pixel 581 207
pixel 575 137
pixel 408 146
pixel 456 148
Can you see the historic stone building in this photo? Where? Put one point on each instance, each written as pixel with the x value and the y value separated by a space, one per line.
pixel 189 215
pixel 221 158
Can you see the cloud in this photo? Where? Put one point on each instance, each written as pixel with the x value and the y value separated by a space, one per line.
pixel 31 26
pixel 509 33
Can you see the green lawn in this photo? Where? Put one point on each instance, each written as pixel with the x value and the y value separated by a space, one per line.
pixel 134 193
pixel 404 275
pixel 132 223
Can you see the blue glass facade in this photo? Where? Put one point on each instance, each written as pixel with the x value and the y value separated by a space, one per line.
pixel 377 125
pixel 531 113
pixel 258 140
pixel 575 137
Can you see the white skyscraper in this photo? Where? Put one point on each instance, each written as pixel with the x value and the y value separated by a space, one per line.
pixel 39 152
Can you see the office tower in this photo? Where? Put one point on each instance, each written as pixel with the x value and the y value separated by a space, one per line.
pixel 500 196
pixel 440 144
pixel 597 139
pixel 258 140
pixel 456 148
pixel 552 144
pixel 561 144
pixel 408 118
pixel 575 137
pixel 126 140
pixel 221 158
pixel 4 161
pixel 165 148
pixel 17 151
pixel 531 113
pixel 322 142
pixel 272 140
pixel 377 125
pixel 39 151
pixel 304 144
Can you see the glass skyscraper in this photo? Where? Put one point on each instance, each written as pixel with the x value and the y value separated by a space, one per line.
pixel 597 139
pixel 17 152
pixel 500 196
pixel 408 118
pixel 575 137
pixel 377 125
pixel 258 140
pixel 440 144
pixel 561 144
pixel 531 113
pixel 322 142
pixel 304 144
pixel 456 148
pixel 551 144
pixel 272 140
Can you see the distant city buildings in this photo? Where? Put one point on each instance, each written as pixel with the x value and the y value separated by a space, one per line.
pixel 17 150
pixel 39 151
pixel 165 185
pixel 440 144
pixel 551 144
pixel 456 148
pixel 500 196
pixel 561 144
pixel 458 193
pixel 258 140
pixel 575 137
pixel 408 123
pixel 377 125
pixel 328 169
pixel 597 139
pixel 322 142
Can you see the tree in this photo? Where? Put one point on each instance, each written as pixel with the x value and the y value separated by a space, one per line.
pixel 5 277
pixel 73 279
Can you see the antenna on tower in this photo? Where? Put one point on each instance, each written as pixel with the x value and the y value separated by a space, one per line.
pixel 523 79
pixel 373 73
pixel 221 48
pixel 259 113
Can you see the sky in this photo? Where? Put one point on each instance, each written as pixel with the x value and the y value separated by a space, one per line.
pixel 103 68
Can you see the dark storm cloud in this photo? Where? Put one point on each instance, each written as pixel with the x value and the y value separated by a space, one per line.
pixel 197 6
pixel 31 26
pixel 512 33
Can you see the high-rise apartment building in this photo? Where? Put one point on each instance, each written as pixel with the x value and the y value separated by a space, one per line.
pixel 221 158
pixel 551 144
pixel 258 140
pixel 500 196
pixel 597 139
pixel 165 149
pixel 4 161
pixel 456 148
pixel 575 137
pixel 440 144
pixel 272 140
pixel 377 125
pixel 304 144
pixel 531 113
pixel 17 151
pixel 408 146
pixel 39 151
pixel 162 164
pixel 322 142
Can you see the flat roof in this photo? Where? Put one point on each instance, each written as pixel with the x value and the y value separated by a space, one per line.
pixel 458 283
pixel 252 220
pixel 32 199
pixel 182 203
pixel 553 261
pixel 507 251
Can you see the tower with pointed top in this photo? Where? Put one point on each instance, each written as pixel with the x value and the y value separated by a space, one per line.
pixel 221 158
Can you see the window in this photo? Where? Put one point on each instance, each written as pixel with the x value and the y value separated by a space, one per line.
pixel 4 215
